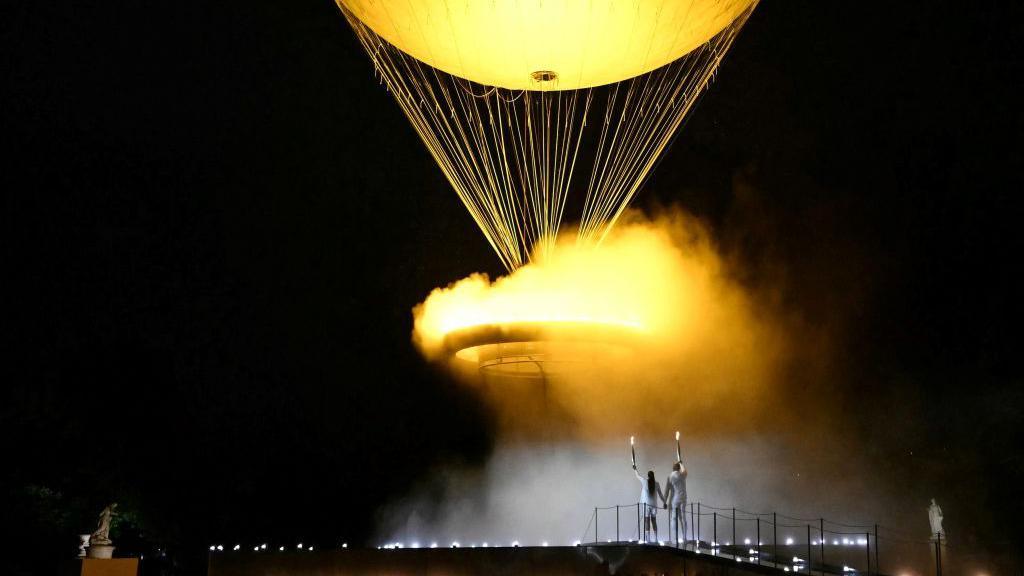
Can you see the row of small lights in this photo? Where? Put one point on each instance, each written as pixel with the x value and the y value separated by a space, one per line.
pixel 844 542
pixel 515 544
pixel 797 562
pixel 220 547
pixel 396 545
pixel 455 544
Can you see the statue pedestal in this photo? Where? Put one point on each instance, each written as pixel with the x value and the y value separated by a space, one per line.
pixel 110 567
pixel 100 551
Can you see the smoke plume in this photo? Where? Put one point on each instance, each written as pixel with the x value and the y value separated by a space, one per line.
pixel 713 358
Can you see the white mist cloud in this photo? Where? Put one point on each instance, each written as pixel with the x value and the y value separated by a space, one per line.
pixel 712 365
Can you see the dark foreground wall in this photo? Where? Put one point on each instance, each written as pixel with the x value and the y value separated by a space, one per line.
pixel 549 561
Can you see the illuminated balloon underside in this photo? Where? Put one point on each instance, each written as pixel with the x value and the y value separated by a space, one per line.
pixel 534 104
pixel 531 349
pixel 586 43
pixel 651 290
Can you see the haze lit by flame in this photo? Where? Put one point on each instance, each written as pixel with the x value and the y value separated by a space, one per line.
pixel 629 280
pixel 707 355
pixel 694 338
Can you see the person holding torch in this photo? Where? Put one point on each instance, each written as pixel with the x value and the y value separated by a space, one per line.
pixel 650 495
pixel 675 495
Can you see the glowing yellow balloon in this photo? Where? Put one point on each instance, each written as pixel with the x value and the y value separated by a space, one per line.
pixel 546 44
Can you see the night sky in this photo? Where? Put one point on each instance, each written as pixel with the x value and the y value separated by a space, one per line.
pixel 216 223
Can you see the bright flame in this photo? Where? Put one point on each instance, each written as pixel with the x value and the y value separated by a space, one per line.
pixel 621 283
pixel 637 279
pixel 654 307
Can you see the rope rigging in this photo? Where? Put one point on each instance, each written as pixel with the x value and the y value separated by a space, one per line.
pixel 515 156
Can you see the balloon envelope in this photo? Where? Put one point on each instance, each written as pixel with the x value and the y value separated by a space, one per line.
pixel 546 44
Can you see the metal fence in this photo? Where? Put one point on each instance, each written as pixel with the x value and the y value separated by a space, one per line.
pixel 804 545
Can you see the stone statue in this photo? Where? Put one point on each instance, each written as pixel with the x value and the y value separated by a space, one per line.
pixel 102 533
pixel 935 518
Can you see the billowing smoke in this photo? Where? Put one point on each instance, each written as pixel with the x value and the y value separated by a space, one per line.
pixel 546 492
pixel 704 356
pixel 714 359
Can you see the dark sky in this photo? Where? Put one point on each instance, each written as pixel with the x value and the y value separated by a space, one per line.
pixel 216 223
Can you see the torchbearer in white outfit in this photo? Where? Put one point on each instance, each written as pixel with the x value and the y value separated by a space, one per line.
pixel 651 498
pixel 675 495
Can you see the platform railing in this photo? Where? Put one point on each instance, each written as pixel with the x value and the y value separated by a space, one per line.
pixel 801 545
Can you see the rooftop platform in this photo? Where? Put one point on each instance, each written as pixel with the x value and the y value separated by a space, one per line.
pixel 621 559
